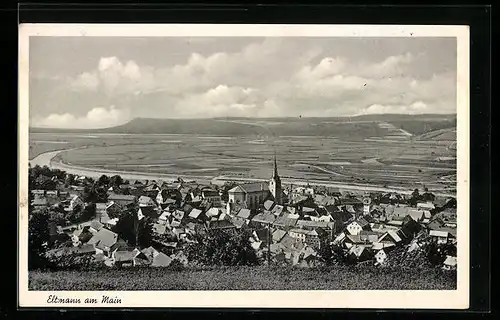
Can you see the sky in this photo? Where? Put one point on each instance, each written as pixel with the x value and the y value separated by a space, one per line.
pixel 97 82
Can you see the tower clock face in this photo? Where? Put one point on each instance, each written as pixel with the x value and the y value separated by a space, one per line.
pixel 367 201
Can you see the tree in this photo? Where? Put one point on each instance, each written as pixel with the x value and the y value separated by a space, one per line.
pixel 103 180
pixel 115 181
pixel 135 232
pixel 223 247
pixel 38 237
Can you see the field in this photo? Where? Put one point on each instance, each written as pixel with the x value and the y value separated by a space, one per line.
pixel 245 278
pixel 375 160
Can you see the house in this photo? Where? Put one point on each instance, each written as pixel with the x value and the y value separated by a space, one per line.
pixel 350 240
pixel 129 257
pixel 145 201
pixel 220 225
pixel 441 236
pixel 355 227
pixel 391 236
pixel 121 199
pixel 285 222
pixel 311 237
pixel 103 240
pixel 75 201
pixel 160 228
pixel 195 214
pixel 425 206
pixel 410 228
pixel 170 194
pixel 101 209
pixel 383 245
pixel 416 215
pixel 399 211
pixel 309 224
pixel 244 213
pixel 212 196
pixel 268 205
pixel 165 216
pixel 213 212
pixel 360 253
pixel 39 202
pixel 38 192
pixel 278 234
pixel 95 226
pixel 277 210
pixel 264 218
pixel 251 194
pixel 450 263
pixel 148 212
pixel 380 256
pixel 161 260
pixel 179 215
pixel 262 235
pixel 84 250
pixel 369 236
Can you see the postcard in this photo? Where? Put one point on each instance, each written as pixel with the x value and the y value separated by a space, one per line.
pixel 250 166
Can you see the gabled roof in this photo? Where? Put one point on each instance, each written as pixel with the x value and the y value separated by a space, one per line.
pixel 278 235
pixel 104 239
pixel 264 218
pixel 213 212
pixel 221 224
pixel 126 255
pixel 277 209
pixel 244 213
pixel 285 221
pixel 393 234
pixel 159 228
pixel 161 260
pixel 96 225
pixel 145 200
pixel 250 187
pixel 438 233
pixel 304 231
pixel 416 215
pixel 195 213
pixel 121 197
pixel 268 204
pixel 357 250
pixel 315 224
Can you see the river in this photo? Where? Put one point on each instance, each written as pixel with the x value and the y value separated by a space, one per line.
pixel 46 159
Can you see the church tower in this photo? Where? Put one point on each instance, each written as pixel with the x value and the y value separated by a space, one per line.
pixel 275 184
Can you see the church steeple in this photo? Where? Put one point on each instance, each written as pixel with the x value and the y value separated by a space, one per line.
pixel 275 182
pixel 275 172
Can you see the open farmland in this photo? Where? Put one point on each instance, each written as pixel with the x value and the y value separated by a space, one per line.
pixel 381 160
pixel 245 278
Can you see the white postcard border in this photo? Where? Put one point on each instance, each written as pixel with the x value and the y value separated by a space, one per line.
pixel 412 299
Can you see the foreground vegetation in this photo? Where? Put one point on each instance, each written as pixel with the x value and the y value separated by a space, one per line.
pixel 246 278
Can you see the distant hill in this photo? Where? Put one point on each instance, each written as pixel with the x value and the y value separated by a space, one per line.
pixel 448 134
pixel 354 127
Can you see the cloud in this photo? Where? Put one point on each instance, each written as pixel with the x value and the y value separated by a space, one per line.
pixel 95 118
pixel 415 108
pixel 273 77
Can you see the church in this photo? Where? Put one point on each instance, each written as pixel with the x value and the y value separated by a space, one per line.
pixel 252 195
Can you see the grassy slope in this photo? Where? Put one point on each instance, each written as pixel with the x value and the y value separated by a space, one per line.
pixel 245 278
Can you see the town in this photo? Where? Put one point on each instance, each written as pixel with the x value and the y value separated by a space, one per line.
pixel 118 223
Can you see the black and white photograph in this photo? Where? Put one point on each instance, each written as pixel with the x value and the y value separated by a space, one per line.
pixel 212 163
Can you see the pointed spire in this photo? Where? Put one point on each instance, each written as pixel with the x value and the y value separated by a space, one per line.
pixel 275 172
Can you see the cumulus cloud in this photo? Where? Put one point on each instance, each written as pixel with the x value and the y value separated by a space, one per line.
pixel 263 79
pixel 415 108
pixel 95 118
